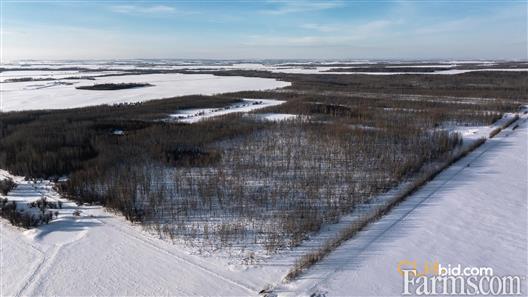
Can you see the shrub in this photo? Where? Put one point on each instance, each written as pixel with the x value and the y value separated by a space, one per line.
pixel 6 185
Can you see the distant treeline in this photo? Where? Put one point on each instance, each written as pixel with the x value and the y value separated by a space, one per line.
pixel 388 69
pixel 113 86
pixel 485 84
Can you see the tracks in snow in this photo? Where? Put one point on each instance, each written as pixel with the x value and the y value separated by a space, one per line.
pixel 131 234
pixel 47 261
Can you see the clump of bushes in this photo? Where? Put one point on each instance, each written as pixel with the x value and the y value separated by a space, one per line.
pixel 6 185
pixel 43 203
pixel 18 217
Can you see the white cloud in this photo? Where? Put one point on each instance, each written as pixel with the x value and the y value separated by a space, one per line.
pixel 292 6
pixel 138 10
pixel 320 27
pixel 300 41
pixel 328 35
pixel 474 23
pixel 371 27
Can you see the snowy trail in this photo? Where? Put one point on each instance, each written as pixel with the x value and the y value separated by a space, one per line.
pixel 102 257
pixel 131 233
pixel 247 105
pixel 474 213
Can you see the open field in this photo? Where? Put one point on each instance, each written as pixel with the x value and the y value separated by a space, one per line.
pixel 71 93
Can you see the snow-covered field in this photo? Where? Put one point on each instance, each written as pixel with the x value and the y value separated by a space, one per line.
pixel 59 94
pixel 473 214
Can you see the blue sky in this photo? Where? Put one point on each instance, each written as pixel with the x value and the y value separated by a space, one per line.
pixel 264 29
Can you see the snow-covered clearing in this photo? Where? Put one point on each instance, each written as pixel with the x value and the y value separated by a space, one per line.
pixel 473 214
pixel 63 94
pixel 199 114
pixel 31 191
pixel 276 117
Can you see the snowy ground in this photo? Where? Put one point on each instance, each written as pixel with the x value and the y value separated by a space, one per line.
pixel 63 94
pixel 247 105
pixel 277 117
pixel 473 214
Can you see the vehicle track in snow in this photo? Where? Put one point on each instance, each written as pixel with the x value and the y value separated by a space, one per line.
pixel 131 234
pixel 40 270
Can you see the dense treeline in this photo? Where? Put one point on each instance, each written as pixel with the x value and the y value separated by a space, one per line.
pixel 112 86
pixel 486 84
pixel 388 69
pixel 54 143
